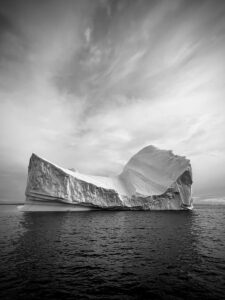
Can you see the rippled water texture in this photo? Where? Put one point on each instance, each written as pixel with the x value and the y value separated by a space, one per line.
pixel 112 255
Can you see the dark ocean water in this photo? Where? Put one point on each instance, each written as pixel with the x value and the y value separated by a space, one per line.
pixel 112 255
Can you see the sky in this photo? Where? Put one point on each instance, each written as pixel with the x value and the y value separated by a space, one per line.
pixel 87 84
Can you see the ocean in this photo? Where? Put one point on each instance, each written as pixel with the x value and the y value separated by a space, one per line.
pixel 112 254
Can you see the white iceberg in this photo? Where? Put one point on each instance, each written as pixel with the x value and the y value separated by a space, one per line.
pixel 153 179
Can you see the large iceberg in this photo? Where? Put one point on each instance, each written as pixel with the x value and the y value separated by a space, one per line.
pixel 153 179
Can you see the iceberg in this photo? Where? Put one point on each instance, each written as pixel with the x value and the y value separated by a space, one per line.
pixel 153 179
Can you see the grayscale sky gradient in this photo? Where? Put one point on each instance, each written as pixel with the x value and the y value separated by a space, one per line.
pixel 86 84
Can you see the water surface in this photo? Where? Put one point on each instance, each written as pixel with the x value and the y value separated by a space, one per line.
pixel 112 255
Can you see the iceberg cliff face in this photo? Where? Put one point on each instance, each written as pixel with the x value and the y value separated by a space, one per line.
pixel 152 179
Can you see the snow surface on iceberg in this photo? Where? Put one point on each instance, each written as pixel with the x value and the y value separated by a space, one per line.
pixel 152 179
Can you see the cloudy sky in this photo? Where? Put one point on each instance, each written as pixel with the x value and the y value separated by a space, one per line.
pixel 86 84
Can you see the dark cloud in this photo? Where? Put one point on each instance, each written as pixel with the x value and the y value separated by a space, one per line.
pixel 13 56
pixel 5 24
